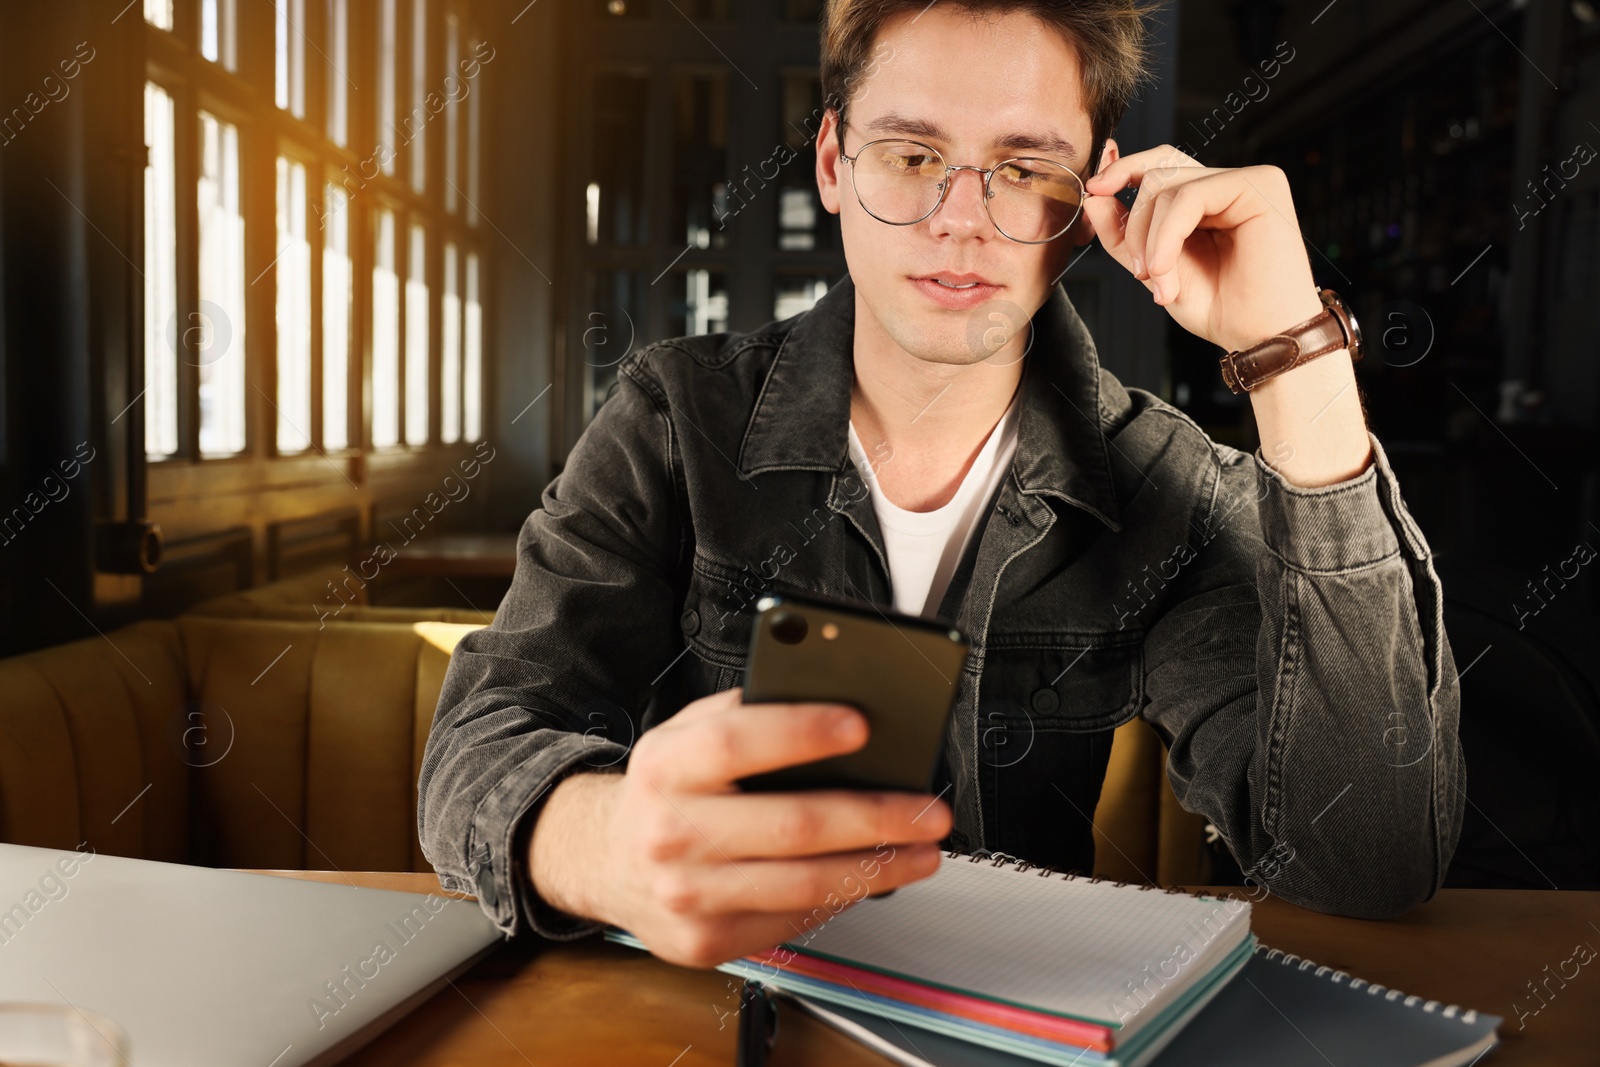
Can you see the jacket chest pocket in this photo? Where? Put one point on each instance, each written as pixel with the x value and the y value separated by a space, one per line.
pixel 718 613
pixel 1053 684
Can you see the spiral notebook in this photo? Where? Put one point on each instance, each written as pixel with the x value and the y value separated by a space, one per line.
pixel 1280 1011
pixel 1053 967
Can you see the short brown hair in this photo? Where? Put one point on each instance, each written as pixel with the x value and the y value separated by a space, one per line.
pixel 1109 35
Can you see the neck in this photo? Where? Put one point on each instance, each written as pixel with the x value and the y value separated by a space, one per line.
pixel 933 416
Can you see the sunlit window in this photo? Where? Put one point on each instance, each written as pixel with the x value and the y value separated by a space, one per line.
pixel 337 299
pixel 160 275
pixel 294 309
pixel 417 121
pixel 472 384
pixel 158 13
pixel 214 336
pixel 417 338
pixel 290 67
pixel 474 119
pixel 450 350
pixel 453 88
pixel 387 133
pixel 385 336
pixel 337 78
pixel 219 32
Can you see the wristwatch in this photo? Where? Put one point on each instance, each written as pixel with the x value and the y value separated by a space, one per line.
pixel 1333 328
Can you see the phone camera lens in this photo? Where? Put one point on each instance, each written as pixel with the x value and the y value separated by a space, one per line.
pixel 789 628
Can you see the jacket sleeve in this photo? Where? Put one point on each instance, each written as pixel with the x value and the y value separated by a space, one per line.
pixel 1306 690
pixel 558 682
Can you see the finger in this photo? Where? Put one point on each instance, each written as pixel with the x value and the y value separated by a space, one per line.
pixel 812 823
pixel 1133 169
pixel 1107 218
pixel 720 746
pixel 1172 220
pixel 800 885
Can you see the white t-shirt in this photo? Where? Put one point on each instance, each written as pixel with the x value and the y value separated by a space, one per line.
pixel 925 546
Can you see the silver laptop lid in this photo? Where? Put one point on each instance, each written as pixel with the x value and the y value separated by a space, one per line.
pixel 204 967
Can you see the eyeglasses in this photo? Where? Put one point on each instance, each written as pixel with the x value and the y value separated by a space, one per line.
pixel 1031 201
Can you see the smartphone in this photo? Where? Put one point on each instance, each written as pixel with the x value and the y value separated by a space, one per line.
pixel 899 670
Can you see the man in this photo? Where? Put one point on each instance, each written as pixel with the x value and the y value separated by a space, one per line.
pixel 954 449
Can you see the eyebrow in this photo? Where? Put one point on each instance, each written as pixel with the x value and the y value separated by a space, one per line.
pixel 894 122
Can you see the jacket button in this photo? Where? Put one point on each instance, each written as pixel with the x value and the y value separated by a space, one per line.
pixel 486 889
pixel 1045 700
pixel 690 621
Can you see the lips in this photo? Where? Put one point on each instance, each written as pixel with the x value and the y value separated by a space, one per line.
pixel 956 292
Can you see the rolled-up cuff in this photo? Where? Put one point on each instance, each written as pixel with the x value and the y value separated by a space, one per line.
pixel 498 875
pixel 1347 526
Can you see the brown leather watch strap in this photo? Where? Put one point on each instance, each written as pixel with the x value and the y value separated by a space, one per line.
pixel 1317 336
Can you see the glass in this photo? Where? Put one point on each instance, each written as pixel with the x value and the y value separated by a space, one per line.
pixel 338 83
pixel 60 1035
pixel 609 330
pixel 385 336
pixel 453 85
pixel 337 309
pixel 293 270
pixel 472 372
pixel 1029 200
pixel 474 124
pixel 699 303
pixel 417 338
pixel 417 119
pixel 617 165
pixel 700 160
pixel 289 81
pixel 214 336
pixel 218 38
pixel 386 88
pixel 803 223
pixel 160 274
pixel 797 293
pixel 450 349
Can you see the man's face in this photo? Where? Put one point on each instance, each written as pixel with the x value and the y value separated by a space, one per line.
pixel 973 82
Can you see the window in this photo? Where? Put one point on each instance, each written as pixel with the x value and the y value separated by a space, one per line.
pixel 160 274
pixel 289 70
pixel 417 338
pixel 337 80
pixel 450 351
pixel 158 13
pixel 452 111
pixel 386 134
pixel 294 310
pixel 416 135
pixel 218 34
pixel 214 333
pixel 473 388
pixel 307 290
pixel 385 336
pixel 338 298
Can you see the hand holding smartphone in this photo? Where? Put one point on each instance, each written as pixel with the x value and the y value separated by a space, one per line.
pixel 899 670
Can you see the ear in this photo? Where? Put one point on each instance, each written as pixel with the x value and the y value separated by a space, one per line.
pixel 828 162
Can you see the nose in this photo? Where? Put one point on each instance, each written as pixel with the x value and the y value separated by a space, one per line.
pixel 963 212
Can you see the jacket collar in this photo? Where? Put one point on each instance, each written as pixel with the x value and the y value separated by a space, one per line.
pixel 802 415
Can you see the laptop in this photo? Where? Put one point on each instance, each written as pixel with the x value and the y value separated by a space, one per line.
pixel 202 967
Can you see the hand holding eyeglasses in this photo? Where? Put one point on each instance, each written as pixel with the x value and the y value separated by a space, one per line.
pixel 1220 248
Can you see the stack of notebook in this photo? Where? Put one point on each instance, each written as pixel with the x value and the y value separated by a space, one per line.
pixel 1053 968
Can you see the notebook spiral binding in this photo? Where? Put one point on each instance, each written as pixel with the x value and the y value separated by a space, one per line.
pixel 1451 1011
pixel 1001 859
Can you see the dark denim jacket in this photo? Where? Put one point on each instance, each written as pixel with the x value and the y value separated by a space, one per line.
pixel 1287 643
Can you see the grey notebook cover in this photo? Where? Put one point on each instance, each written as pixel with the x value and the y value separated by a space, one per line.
pixel 207 968
pixel 1279 1011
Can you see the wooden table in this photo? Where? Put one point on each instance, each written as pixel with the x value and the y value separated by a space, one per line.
pixel 593 1002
